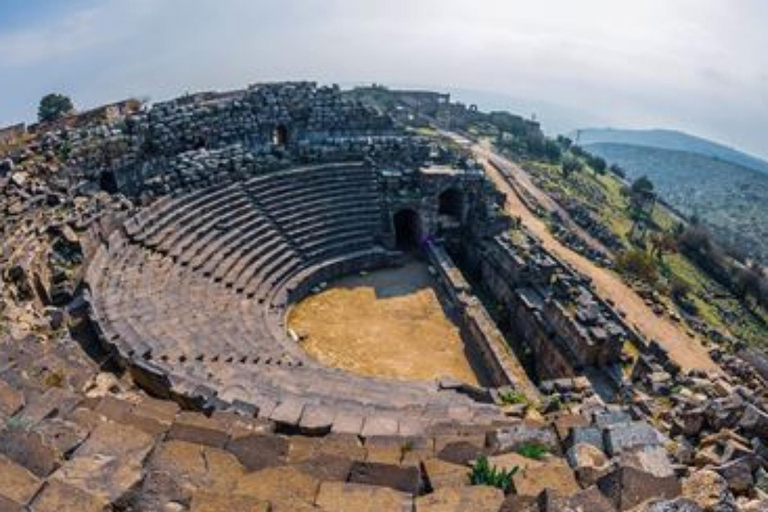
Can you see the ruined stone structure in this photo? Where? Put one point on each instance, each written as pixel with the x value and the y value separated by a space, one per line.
pixel 191 293
pixel 234 206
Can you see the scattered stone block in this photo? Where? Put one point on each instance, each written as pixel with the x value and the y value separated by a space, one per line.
pixel 459 499
pixel 284 487
pixel 109 463
pixel 259 451
pixel 197 428
pixel 57 496
pixel 353 497
pixel 627 487
pixel 511 438
pixel 441 474
pixel 404 479
pixel 210 502
pixel 630 435
pixel 17 484
pixel 533 476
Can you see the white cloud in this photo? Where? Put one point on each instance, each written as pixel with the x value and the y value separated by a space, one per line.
pixel 692 64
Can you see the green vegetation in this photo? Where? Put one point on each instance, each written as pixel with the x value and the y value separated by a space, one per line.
pixel 707 297
pixel 484 474
pixel 53 107
pixel 512 397
pixel 638 263
pixel 731 200
pixel 533 451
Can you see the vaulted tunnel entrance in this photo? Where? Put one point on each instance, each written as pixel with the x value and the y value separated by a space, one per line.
pixel 451 203
pixel 407 229
pixel 280 135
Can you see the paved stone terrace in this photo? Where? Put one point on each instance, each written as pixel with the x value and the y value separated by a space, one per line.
pixel 193 298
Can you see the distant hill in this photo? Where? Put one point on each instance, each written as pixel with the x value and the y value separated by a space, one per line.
pixel 670 139
pixel 732 199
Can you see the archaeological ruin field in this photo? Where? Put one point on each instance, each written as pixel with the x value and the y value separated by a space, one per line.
pixel 296 297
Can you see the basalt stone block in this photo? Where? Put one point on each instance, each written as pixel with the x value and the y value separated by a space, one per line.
pixel 326 467
pixel 405 479
pixel 348 423
pixel 380 426
pixel 630 435
pixel 627 487
pixel 316 420
pixel 17 484
pixel 351 497
pixel 11 400
pixel 511 438
pixel 754 422
pixel 197 428
pixel 30 450
pixel 59 497
pixel 211 502
pixel 109 463
pixel 259 451
pixel 461 452
pixel 586 435
pixel 459 499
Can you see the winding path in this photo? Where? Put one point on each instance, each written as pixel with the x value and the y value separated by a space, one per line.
pixel 688 352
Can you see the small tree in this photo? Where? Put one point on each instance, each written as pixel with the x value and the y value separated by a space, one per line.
pixel 571 165
pixel 638 263
pixel 54 106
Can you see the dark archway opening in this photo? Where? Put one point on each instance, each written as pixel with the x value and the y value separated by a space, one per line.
pixel 108 182
pixel 407 230
pixel 280 136
pixel 451 203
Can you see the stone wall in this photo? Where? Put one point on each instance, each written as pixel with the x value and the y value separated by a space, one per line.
pixel 550 309
pixel 477 326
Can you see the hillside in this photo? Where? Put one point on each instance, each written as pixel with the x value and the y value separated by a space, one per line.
pixel 731 199
pixel 673 140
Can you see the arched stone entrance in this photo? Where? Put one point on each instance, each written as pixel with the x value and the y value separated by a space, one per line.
pixel 451 203
pixel 280 135
pixel 408 230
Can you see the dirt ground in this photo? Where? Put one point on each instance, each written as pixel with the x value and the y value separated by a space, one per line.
pixel 686 351
pixel 387 323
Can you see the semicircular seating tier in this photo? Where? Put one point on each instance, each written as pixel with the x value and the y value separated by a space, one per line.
pixel 192 296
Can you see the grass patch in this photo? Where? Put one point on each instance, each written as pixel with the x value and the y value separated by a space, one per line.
pixel 484 474
pixel 533 451
pixel 512 397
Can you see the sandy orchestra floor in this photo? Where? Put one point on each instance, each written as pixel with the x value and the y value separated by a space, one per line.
pixel 387 323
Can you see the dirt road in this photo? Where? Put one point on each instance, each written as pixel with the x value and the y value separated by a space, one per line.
pixel 686 351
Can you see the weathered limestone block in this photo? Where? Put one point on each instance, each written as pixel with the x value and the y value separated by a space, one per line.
pixel 352 497
pixel 630 435
pixel 458 499
pixel 259 451
pixel 510 438
pixel 197 467
pixel 286 488
pixel 210 502
pixel 405 479
pixel 533 476
pixel 17 484
pixel 626 487
pixel 197 428
pixel 441 474
pixel 29 449
pixel 709 491
pixel 588 462
pixel 109 463
pixel 59 497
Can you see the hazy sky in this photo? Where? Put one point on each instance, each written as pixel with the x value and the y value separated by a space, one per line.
pixel 696 65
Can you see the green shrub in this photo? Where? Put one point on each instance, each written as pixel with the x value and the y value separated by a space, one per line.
pixel 485 474
pixel 534 451
pixel 512 397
